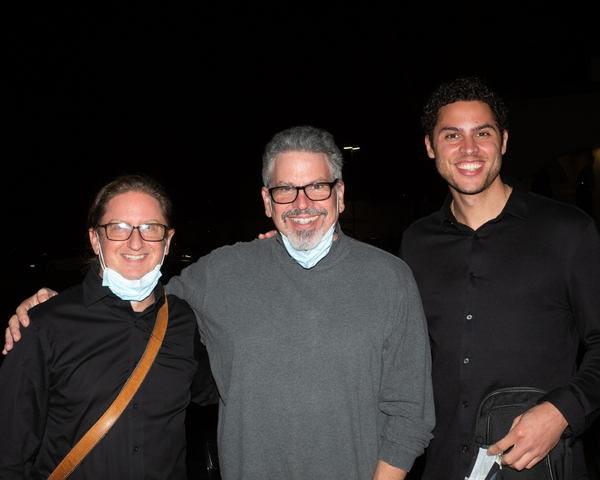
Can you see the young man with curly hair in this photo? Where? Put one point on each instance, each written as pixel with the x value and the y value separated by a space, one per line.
pixel 509 284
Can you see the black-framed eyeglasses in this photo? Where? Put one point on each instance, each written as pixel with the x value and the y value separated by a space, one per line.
pixel 150 232
pixel 315 192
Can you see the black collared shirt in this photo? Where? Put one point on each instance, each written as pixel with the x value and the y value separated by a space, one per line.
pixel 506 306
pixel 69 366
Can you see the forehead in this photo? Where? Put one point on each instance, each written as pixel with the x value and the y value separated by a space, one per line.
pixel 134 208
pixel 300 168
pixel 465 115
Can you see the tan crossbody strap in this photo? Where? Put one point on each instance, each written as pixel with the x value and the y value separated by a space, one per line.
pixel 95 434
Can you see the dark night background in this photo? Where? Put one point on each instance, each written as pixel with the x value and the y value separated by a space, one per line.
pixel 191 93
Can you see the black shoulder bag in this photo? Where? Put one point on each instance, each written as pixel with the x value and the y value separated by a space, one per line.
pixel 494 419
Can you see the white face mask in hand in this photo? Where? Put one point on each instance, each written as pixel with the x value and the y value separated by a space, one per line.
pixel 126 289
pixel 485 466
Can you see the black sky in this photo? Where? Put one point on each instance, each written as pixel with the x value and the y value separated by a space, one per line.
pixel 190 94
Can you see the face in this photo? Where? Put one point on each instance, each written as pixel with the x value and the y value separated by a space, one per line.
pixel 467 146
pixel 135 257
pixel 303 222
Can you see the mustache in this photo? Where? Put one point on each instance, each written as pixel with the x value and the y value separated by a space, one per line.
pixel 307 211
pixel 471 156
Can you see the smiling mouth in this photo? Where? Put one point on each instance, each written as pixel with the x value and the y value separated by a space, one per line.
pixel 471 167
pixel 134 257
pixel 304 221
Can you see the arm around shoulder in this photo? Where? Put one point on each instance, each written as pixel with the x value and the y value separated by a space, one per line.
pixel 21 317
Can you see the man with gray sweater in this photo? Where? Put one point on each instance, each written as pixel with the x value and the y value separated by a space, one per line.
pixel 317 342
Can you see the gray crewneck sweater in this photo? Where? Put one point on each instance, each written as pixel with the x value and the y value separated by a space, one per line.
pixel 320 371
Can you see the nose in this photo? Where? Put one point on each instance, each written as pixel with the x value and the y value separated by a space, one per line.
pixel 469 146
pixel 135 241
pixel 302 202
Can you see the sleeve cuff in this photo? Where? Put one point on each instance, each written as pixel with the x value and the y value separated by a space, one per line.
pixel 569 407
pixel 396 456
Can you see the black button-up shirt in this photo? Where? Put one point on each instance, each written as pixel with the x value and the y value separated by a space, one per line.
pixel 506 306
pixel 69 366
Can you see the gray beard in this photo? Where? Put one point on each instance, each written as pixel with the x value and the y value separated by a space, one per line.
pixel 305 239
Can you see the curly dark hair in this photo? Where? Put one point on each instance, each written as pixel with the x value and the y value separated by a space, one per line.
pixel 463 90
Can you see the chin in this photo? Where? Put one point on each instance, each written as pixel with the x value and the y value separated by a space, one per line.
pixel 472 189
pixel 307 240
pixel 134 275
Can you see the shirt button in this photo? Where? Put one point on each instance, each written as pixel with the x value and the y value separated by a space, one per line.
pixel 471 275
pixel 469 317
pixel 465 361
pixel 465 404
pixel 465 449
pixel 135 449
pixel 135 406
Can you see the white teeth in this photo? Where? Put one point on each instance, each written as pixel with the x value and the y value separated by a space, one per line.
pixel 304 221
pixel 471 167
pixel 134 257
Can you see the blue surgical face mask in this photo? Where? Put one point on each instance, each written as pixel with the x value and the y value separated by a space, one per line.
pixel 126 289
pixel 309 258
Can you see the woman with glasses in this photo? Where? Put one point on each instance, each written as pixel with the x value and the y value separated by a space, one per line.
pixel 83 345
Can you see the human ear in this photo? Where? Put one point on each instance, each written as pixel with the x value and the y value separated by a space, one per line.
pixel 340 193
pixel 429 147
pixel 267 201
pixel 504 141
pixel 94 240
pixel 169 237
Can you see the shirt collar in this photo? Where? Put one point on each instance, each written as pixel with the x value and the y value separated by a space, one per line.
pixel 517 205
pixel 518 202
pixel 94 291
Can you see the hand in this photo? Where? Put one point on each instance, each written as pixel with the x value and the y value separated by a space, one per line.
pixel 532 436
pixel 12 333
pixel 269 234
pixel 385 471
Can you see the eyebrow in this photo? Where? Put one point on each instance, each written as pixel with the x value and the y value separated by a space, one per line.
pixel 476 129
pixel 153 220
pixel 288 184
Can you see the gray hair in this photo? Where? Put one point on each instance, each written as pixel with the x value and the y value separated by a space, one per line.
pixel 302 139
